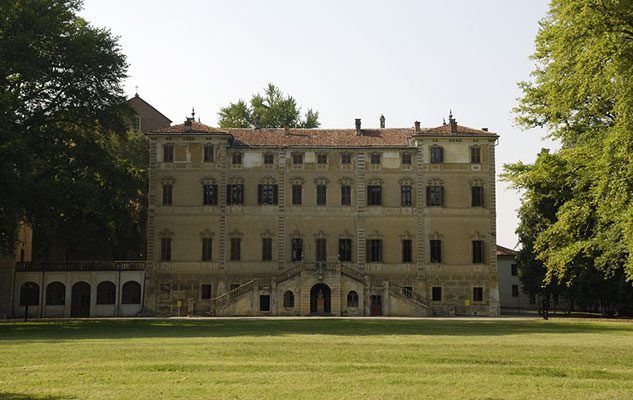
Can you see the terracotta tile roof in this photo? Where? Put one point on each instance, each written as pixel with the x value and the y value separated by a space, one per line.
pixel 504 251
pixel 447 129
pixel 294 137
pixel 323 137
pixel 196 127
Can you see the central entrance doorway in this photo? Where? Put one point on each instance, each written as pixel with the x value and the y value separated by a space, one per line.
pixel 80 304
pixel 320 299
pixel 376 304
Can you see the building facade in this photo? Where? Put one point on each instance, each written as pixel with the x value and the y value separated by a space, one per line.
pixel 348 222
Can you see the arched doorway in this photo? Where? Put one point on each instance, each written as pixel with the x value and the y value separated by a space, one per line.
pixel 80 304
pixel 320 299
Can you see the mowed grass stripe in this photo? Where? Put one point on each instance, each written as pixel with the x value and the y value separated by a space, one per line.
pixel 139 359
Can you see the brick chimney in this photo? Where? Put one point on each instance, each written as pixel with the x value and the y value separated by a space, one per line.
pixel 453 122
pixel 358 127
pixel 417 126
pixel 382 122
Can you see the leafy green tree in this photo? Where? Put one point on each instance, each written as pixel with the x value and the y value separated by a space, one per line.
pixel 272 109
pixel 63 124
pixel 582 92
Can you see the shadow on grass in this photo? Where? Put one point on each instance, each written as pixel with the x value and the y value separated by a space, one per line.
pixel 111 329
pixel 22 396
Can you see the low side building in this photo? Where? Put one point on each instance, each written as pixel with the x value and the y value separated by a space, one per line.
pixel 510 293
pixel 23 252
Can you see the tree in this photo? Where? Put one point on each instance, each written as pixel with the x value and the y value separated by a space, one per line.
pixel 63 121
pixel 273 109
pixel 582 92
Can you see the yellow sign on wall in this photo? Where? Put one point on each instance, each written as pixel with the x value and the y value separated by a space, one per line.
pixel 467 302
pixel 178 303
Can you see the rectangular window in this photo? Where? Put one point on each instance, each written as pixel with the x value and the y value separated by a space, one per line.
pixel 434 195
pixel 346 158
pixel 269 158
pixel 374 158
pixel 234 194
pixel 297 250
pixel 267 249
pixel 373 250
pixel 264 302
pixel 515 290
pixel 475 155
pixel 205 291
pixel 477 196
pixel 267 194
pixel 168 153
pixel 321 250
pixel 165 249
pixel 321 193
pixel 296 195
pixel 345 250
pixel 236 249
pixel 405 196
pixel 436 293
pixel 210 195
pixel 208 153
pixel 168 195
pixel 374 195
pixel 297 158
pixel 207 249
pixel 514 270
pixel 478 294
pixel 406 158
pixel 321 159
pixel 436 251
pixel 478 251
pixel 437 155
pixel 407 251
pixel 346 195
pixel 236 159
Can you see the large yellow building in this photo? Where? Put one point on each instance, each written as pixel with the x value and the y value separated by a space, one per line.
pixel 322 221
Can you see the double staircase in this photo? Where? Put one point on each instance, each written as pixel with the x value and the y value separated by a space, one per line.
pixel 233 295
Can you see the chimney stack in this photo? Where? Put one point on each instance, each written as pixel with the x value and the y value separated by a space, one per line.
pixel 417 126
pixel 484 129
pixel 358 126
pixel 382 122
pixel 452 121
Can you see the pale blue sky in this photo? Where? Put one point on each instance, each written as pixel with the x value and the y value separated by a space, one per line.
pixel 408 60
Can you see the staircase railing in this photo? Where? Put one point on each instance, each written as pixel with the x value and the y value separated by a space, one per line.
pixel 289 273
pixel 352 273
pixel 408 293
pixel 232 295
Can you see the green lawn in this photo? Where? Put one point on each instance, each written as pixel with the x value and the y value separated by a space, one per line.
pixel 328 359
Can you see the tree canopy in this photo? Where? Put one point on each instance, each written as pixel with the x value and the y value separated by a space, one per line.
pixel 272 109
pixel 576 226
pixel 63 122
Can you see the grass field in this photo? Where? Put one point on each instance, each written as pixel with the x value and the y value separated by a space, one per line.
pixel 328 359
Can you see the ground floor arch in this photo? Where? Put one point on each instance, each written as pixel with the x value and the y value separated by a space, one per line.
pixel 80 300
pixel 320 299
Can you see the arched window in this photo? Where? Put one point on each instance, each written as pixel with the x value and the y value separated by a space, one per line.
pixel 289 299
pixel 131 293
pixel 55 294
pixel 30 294
pixel 106 293
pixel 352 299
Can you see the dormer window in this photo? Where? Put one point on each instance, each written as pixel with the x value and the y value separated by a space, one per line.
pixel 168 153
pixel 475 155
pixel 406 158
pixel 437 155
pixel 208 153
pixel 269 158
pixel 236 159
pixel 297 158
